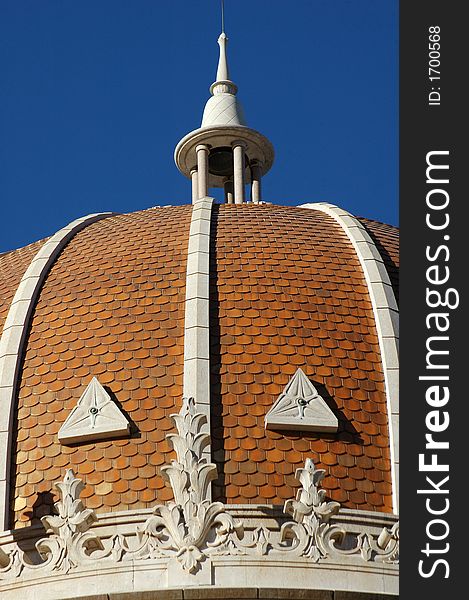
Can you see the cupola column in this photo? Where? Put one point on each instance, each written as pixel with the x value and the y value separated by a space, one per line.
pixel 256 170
pixel 202 169
pixel 229 197
pixel 195 185
pixel 238 170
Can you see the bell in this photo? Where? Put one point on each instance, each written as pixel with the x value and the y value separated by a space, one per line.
pixel 220 161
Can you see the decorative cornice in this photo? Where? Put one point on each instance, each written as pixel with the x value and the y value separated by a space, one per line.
pixel 192 529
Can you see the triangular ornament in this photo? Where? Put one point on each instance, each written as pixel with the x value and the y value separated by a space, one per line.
pixel 95 417
pixel 301 407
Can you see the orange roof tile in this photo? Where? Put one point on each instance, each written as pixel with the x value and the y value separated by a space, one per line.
pixel 312 310
pixel 287 291
pixel 12 267
pixel 95 311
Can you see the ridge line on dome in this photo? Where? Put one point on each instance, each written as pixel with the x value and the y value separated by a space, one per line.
pixel 385 312
pixel 14 337
pixel 196 377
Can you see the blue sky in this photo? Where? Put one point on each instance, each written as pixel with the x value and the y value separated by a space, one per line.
pixel 95 94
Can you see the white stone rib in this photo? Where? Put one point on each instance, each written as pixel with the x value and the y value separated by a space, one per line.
pixel 14 337
pixel 386 317
pixel 196 325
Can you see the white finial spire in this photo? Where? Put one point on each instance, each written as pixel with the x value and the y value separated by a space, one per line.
pixel 223 73
pixel 223 83
pixel 222 107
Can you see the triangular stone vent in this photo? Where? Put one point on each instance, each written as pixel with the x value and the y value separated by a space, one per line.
pixel 95 417
pixel 301 407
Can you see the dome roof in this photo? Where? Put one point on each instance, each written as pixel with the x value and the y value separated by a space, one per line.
pixel 202 399
pixel 287 291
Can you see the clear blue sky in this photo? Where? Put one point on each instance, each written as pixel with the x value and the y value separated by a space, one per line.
pixel 95 94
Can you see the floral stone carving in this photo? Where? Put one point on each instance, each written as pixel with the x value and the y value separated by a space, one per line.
pixel 311 534
pixel 192 524
pixel 314 536
pixel 192 528
pixel 310 508
pixel 69 543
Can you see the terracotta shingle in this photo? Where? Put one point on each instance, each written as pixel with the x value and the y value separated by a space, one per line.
pixel 93 316
pixel 311 310
pixel 286 290
pixel 12 267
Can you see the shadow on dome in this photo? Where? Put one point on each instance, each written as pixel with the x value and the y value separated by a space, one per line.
pixel 134 432
pixel 35 530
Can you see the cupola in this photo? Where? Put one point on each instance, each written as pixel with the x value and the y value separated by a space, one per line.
pixel 224 152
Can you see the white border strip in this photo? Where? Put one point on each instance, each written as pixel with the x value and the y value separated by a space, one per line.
pixel 386 317
pixel 196 320
pixel 14 338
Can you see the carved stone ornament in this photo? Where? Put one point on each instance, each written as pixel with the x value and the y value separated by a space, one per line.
pixel 191 524
pixel 301 407
pixel 70 543
pixel 311 534
pixel 95 417
pixel 192 528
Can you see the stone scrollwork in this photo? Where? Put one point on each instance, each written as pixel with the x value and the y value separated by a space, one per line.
pixel 337 541
pixel 69 543
pixel 318 538
pixel 311 534
pixel 310 502
pixel 310 512
pixel 192 527
pixel 11 563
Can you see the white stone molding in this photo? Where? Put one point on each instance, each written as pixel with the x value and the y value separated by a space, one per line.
pixel 95 417
pixel 386 315
pixel 192 541
pixel 14 337
pixel 196 321
pixel 200 537
pixel 300 407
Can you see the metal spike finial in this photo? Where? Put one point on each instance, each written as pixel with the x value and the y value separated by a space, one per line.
pixel 222 16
